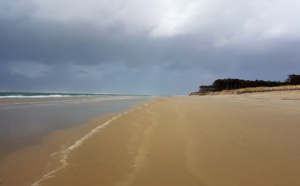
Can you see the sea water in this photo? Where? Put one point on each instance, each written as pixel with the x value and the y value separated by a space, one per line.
pixel 29 116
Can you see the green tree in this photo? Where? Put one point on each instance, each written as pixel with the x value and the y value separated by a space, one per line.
pixel 293 79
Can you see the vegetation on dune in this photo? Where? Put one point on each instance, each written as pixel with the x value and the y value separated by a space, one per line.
pixel 293 79
pixel 232 84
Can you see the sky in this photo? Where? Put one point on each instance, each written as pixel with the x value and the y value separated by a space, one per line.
pixel 157 47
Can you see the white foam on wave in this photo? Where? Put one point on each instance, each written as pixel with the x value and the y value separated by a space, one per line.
pixel 64 153
pixel 37 96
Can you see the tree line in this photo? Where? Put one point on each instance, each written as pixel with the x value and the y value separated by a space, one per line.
pixel 229 84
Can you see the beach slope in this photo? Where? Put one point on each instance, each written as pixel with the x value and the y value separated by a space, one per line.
pixel 212 140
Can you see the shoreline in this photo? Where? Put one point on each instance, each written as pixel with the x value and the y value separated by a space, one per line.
pixel 40 159
pixel 24 121
pixel 192 140
pixel 43 159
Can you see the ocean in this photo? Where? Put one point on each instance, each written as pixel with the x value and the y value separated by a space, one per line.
pixel 55 95
pixel 26 117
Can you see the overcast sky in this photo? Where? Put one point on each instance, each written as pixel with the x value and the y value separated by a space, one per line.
pixel 161 47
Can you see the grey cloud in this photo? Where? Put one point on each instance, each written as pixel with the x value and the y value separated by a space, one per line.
pixel 159 46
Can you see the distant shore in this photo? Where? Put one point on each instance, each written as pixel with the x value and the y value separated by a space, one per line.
pixel 247 139
pixel 249 90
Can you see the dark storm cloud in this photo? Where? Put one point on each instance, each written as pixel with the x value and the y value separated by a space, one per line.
pixel 134 46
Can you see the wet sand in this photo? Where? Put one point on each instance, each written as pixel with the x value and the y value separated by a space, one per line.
pixel 250 139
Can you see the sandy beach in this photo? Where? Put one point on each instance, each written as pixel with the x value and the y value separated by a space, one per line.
pixel 249 139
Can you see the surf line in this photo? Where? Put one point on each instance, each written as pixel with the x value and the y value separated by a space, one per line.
pixel 66 151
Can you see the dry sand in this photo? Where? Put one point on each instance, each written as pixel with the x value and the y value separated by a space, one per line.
pixel 250 139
